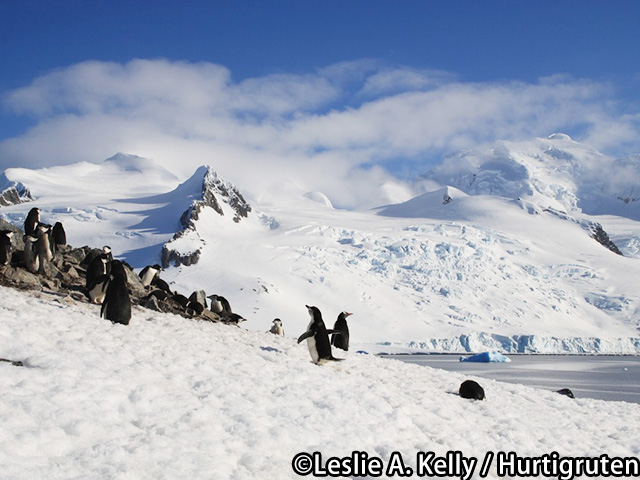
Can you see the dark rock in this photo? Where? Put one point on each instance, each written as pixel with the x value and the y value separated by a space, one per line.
pixel 16 363
pixel 565 391
pixel 472 390
pixel 20 278
pixel 13 193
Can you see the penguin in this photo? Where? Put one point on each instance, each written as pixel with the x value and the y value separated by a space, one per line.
pixel 59 237
pixel 32 221
pixel 219 304
pixel 31 259
pixel 472 390
pixel 277 327
pixel 180 300
pixel 5 246
pixel 161 285
pixel 341 340
pixel 43 246
pixel 97 278
pixel 99 266
pixel 97 289
pixel 317 337
pixel 150 273
pixel 117 303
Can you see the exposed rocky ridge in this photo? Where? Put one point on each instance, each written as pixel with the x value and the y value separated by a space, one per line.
pixel 214 191
pixel 13 193
pixel 594 228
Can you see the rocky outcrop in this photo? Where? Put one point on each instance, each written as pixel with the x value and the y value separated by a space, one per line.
pixel 213 191
pixel 65 278
pixel 594 228
pixel 13 193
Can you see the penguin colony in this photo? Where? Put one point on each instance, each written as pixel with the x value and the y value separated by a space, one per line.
pixel 107 285
pixel 106 280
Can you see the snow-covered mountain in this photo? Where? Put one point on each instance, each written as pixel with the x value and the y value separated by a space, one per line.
pixel 554 172
pixel 500 254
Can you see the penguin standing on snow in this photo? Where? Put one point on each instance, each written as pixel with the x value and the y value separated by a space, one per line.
pixel 117 303
pixel 32 221
pixel 317 337
pixel 5 246
pixel 341 340
pixel 277 327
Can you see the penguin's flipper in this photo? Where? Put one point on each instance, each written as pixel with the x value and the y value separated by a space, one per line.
pixel 103 308
pixel 305 335
pixel 336 332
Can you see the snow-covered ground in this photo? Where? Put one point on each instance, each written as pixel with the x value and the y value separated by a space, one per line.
pixel 479 263
pixel 172 398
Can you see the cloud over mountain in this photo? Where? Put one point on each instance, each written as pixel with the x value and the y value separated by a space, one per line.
pixel 339 129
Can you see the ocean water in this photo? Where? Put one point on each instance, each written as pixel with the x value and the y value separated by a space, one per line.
pixel 604 377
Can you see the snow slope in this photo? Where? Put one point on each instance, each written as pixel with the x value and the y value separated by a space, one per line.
pixel 172 398
pixel 486 268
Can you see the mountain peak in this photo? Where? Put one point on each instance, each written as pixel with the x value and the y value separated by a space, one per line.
pixel 209 190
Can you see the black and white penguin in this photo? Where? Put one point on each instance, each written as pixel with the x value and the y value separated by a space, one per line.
pixel 58 236
pixel 5 246
pixel 31 260
pixel 472 390
pixel 317 337
pixel 341 340
pixel 97 278
pixel 219 304
pixel 150 273
pixel 32 221
pixel 117 303
pixel 277 327
pixel 43 246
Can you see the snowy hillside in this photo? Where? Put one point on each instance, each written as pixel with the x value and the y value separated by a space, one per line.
pixel 467 267
pixel 172 398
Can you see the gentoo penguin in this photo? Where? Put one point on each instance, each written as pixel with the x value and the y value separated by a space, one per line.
pixel 277 327
pixel 5 246
pixel 341 340
pixel 149 274
pixel 43 246
pixel 31 260
pixel 59 237
pixel 32 221
pixel 317 337
pixel 219 304
pixel 472 390
pixel 117 304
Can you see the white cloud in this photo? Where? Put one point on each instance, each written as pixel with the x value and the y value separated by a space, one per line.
pixel 322 130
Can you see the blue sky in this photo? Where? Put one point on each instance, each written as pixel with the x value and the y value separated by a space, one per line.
pixel 347 84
